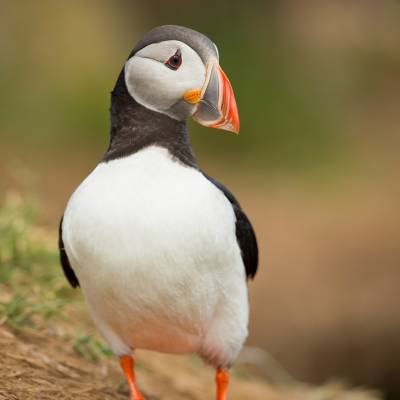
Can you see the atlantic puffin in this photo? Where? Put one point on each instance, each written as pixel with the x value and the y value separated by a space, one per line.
pixel 161 250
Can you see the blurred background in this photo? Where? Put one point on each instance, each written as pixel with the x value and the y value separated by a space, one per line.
pixel 316 165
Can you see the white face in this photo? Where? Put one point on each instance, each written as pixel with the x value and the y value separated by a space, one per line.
pixel 159 87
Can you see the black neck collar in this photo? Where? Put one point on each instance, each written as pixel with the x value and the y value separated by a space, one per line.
pixel 134 127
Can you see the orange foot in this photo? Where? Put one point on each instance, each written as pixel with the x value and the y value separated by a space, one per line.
pixel 222 379
pixel 128 366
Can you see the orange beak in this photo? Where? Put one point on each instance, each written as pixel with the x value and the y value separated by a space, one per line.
pixel 216 101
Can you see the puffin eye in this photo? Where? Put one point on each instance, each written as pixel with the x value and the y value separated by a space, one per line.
pixel 175 61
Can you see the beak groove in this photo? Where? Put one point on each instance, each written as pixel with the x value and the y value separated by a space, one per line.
pixel 217 107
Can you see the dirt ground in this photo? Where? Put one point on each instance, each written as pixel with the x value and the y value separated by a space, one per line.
pixel 39 366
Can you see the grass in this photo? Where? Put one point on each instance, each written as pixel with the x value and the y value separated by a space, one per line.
pixel 89 347
pixel 34 293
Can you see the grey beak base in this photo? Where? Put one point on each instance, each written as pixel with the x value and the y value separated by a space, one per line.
pixel 208 112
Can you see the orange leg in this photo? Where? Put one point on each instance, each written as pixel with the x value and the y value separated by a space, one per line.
pixel 128 364
pixel 222 379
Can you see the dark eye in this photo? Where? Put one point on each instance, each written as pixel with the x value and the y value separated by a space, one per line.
pixel 175 61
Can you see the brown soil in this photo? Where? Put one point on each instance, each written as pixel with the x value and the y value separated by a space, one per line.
pixel 45 367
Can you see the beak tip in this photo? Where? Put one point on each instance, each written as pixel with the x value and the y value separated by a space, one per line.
pixel 235 128
pixel 229 126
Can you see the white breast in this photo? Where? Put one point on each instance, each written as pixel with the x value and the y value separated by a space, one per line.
pixel 154 247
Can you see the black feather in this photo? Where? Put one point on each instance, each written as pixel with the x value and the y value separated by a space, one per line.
pixel 244 232
pixel 68 271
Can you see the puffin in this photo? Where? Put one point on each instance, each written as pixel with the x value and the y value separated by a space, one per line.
pixel 162 251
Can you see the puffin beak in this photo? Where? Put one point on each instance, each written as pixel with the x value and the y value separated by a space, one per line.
pixel 216 104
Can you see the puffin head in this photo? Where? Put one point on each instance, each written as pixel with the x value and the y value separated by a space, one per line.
pixel 175 71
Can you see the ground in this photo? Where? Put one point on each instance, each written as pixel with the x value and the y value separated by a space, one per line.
pixel 42 366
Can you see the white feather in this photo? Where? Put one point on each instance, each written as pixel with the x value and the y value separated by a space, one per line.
pixel 154 247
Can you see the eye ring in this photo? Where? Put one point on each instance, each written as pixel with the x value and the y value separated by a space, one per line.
pixel 175 61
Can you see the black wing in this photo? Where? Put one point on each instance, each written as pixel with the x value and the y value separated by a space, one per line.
pixel 68 271
pixel 244 232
